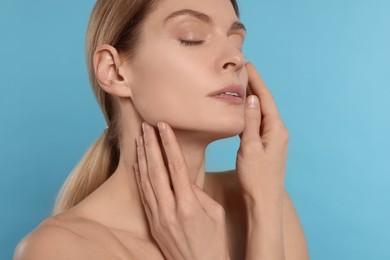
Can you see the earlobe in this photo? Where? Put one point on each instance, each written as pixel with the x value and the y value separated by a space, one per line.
pixel 109 71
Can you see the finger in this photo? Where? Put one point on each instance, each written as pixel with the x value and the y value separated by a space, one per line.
pixel 143 200
pixel 271 116
pixel 249 91
pixel 252 120
pixel 177 165
pixel 272 125
pixel 147 189
pixel 158 174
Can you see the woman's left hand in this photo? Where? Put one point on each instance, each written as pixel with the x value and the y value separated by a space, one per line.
pixel 261 157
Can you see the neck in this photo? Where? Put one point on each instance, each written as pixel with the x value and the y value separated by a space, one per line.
pixel 117 203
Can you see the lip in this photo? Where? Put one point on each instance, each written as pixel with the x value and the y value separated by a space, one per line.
pixel 230 99
pixel 239 89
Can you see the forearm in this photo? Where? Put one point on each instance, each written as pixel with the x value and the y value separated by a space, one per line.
pixel 265 230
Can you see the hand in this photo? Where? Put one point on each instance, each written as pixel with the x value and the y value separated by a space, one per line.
pixel 185 222
pixel 261 157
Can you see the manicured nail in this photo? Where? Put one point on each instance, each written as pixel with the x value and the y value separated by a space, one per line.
pixel 145 127
pixel 252 102
pixel 161 127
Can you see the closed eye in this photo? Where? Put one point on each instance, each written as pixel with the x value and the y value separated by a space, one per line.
pixel 193 43
pixel 190 43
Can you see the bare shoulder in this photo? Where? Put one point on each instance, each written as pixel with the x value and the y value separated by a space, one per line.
pixel 224 179
pixel 52 240
pixel 224 186
pixel 294 236
pixel 229 193
pixel 227 185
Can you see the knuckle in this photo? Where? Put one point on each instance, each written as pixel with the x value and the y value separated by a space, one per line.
pixel 279 126
pixel 219 212
pixel 184 212
pixel 167 220
pixel 282 131
pixel 176 165
pixel 165 139
pixel 284 134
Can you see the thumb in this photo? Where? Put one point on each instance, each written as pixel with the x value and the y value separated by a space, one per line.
pixel 252 119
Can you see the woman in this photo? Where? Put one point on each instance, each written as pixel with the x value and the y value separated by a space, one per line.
pixel 166 63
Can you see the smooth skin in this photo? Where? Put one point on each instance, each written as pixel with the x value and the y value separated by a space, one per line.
pixel 72 236
pixel 260 166
pixel 111 223
pixel 185 221
pixel 180 218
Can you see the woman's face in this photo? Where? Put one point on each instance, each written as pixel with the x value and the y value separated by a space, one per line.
pixel 171 81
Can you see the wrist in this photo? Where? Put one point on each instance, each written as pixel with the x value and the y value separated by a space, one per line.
pixel 259 201
pixel 265 234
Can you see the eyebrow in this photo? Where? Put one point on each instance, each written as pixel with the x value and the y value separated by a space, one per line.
pixel 204 18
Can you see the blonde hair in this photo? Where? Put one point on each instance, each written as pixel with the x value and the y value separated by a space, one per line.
pixel 117 23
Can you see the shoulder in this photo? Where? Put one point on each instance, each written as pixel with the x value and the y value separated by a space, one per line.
pixel 226 179
pixel 224 187
pixel 47 241
pixel 227 185
pixel 51 240
pixel 224 182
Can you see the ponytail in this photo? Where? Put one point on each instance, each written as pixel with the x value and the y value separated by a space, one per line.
pixel 97 165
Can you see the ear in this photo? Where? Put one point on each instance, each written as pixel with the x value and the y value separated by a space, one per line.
pixel 110 71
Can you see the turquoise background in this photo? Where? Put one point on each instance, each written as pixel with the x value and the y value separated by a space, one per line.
pixel 327 63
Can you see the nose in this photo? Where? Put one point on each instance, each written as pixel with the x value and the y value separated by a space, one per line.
pixel 231 59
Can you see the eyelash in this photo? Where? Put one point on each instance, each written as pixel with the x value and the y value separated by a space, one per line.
pixel 190 43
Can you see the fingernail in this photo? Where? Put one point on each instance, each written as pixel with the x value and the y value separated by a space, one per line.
pixel 161 127
pixel 145 127
pixel 252 101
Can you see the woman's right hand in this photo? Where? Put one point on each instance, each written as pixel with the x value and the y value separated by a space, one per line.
pixel 185 222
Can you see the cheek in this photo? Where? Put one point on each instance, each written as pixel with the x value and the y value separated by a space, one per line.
pixel 165 84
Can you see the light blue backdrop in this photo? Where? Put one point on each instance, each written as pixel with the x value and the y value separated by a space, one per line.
pixel 327 62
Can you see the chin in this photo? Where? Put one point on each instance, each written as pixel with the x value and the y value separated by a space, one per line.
pixel 229 127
